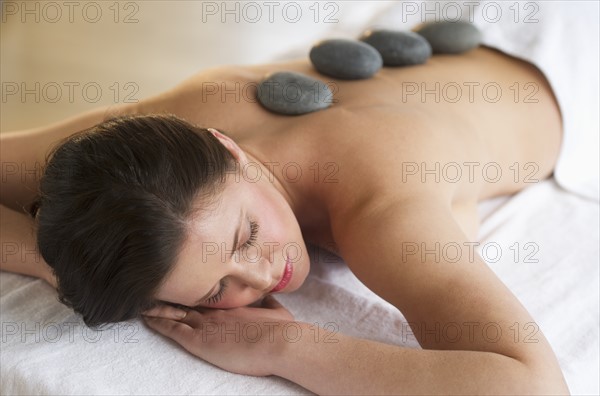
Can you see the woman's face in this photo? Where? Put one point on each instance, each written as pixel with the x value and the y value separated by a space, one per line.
pixel 237 252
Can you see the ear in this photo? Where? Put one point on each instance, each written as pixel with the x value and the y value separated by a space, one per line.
pixel 233 148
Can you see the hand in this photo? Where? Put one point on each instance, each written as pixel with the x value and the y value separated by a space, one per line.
pixel 242 340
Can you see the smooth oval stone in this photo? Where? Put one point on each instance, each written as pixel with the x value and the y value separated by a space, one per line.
pixel 398 48
pixel 293 93
pixel 451 37
pixel 345 59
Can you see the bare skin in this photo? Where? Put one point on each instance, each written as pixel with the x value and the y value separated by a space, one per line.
pixel 372 136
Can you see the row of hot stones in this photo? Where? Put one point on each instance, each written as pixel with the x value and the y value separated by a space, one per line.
pixel 293 93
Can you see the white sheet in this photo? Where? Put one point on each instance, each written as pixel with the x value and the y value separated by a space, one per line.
pixel 62 356
pixel 45 348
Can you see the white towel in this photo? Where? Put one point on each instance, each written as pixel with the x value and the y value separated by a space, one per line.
pixel 46 349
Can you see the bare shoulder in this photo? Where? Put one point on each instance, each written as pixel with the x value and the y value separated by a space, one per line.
pixel 210 97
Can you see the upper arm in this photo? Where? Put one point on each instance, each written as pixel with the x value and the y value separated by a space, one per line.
pixel 24 153
pixel 415 256
pixel 210 97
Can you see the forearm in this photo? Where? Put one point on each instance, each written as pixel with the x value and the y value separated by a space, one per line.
pixel 358 366
pixel 19 249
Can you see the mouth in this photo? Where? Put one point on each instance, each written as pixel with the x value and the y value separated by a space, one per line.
pixel 286 278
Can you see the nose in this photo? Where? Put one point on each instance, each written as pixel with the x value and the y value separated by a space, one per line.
pixel 256 275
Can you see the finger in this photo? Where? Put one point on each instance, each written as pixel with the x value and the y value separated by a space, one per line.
pixel 178 331
pixel 166 311
pixel 193 319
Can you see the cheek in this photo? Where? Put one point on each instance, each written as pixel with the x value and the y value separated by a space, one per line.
pixel 278 225
pixel 280 235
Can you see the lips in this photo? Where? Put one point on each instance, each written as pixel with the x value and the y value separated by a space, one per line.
pixel 285 279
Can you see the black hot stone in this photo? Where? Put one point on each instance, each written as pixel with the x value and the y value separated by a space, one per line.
pixel 293 93
pixel 451 37
pixel 398 48
pixel 345 59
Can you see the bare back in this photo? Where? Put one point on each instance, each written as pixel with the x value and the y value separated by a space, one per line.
pixel 465 128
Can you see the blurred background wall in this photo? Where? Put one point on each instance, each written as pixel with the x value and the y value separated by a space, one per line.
pixel 59 58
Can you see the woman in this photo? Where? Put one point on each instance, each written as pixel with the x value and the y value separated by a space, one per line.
pixel 387 178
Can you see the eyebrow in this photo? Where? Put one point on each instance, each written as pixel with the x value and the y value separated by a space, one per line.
pixel 235 242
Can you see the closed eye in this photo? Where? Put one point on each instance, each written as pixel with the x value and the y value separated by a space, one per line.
pixel 253 235
pixel 217 297
pixel 223 284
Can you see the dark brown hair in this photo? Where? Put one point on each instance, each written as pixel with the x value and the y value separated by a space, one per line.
pixel 113 209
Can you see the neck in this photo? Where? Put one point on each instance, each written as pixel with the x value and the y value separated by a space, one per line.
pixel 290 194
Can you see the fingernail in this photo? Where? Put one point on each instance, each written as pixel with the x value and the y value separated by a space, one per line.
pixel 180 314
